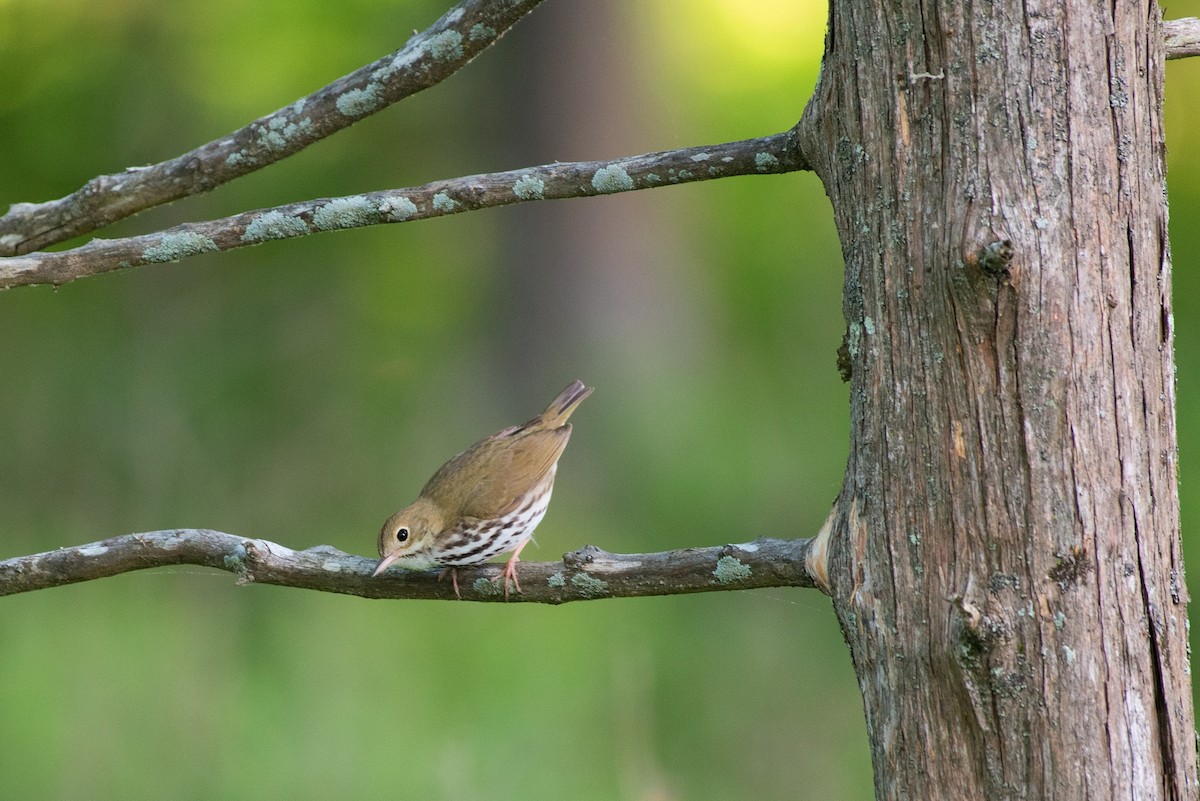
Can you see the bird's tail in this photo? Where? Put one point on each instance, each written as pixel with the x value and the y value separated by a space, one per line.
pixel 561 407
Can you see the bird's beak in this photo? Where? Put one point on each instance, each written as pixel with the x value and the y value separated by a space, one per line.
pixel 385 563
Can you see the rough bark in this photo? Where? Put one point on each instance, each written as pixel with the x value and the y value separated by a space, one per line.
pixel 1004 556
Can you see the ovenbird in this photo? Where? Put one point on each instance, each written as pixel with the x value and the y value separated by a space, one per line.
pixel 485 501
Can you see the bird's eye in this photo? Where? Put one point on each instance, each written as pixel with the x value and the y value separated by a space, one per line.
pixel 401 534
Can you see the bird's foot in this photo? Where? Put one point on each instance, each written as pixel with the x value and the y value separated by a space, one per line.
pixel 510 574
pixel 453 571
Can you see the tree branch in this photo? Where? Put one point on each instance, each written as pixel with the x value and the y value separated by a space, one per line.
pixel 1181 37
pixel 769 154
pixel 427 59
pixel 585 574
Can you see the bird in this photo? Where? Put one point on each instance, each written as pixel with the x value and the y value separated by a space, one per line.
pixel 485 501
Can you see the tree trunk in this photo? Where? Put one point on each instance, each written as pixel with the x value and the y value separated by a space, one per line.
pixel 1004 556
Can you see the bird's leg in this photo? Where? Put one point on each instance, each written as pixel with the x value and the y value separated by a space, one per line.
pixel 453 571
pixel 510 569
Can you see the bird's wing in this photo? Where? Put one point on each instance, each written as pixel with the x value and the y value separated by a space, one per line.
pixel 498 472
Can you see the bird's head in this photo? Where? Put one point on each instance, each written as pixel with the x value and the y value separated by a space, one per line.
pixel 407 537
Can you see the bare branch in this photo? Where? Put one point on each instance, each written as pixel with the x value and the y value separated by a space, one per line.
pixel 1182 37
pixel 769 154
pixel 427 59
pixel 585 574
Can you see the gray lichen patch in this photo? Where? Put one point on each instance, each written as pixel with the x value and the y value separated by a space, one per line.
pixel 589 586
pixel 274 225
pixel 486 587
pixel 556 580
pixel 730 570
pixel 446 46
pixel 234 560
pixel 529 187
pixel 357 102
pixel 612 179
pixel 346 212
pixel 278 133
pixel 481 31
pixel 854 334
pixel 765 162
pixel 173 247
pixel 444 203
pixel 398 208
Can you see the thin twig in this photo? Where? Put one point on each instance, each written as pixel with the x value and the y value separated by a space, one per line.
pixel 769 154
pixel 427 59
pixel 586 574
pixel 1181 37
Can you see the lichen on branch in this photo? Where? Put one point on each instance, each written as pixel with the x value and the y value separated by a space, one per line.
pixel 586 574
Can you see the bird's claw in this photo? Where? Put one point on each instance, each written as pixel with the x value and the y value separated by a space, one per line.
pixel 510 574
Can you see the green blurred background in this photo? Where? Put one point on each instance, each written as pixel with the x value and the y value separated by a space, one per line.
pixel 301 391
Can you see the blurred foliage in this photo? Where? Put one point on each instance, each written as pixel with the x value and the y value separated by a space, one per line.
pixel 300 391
